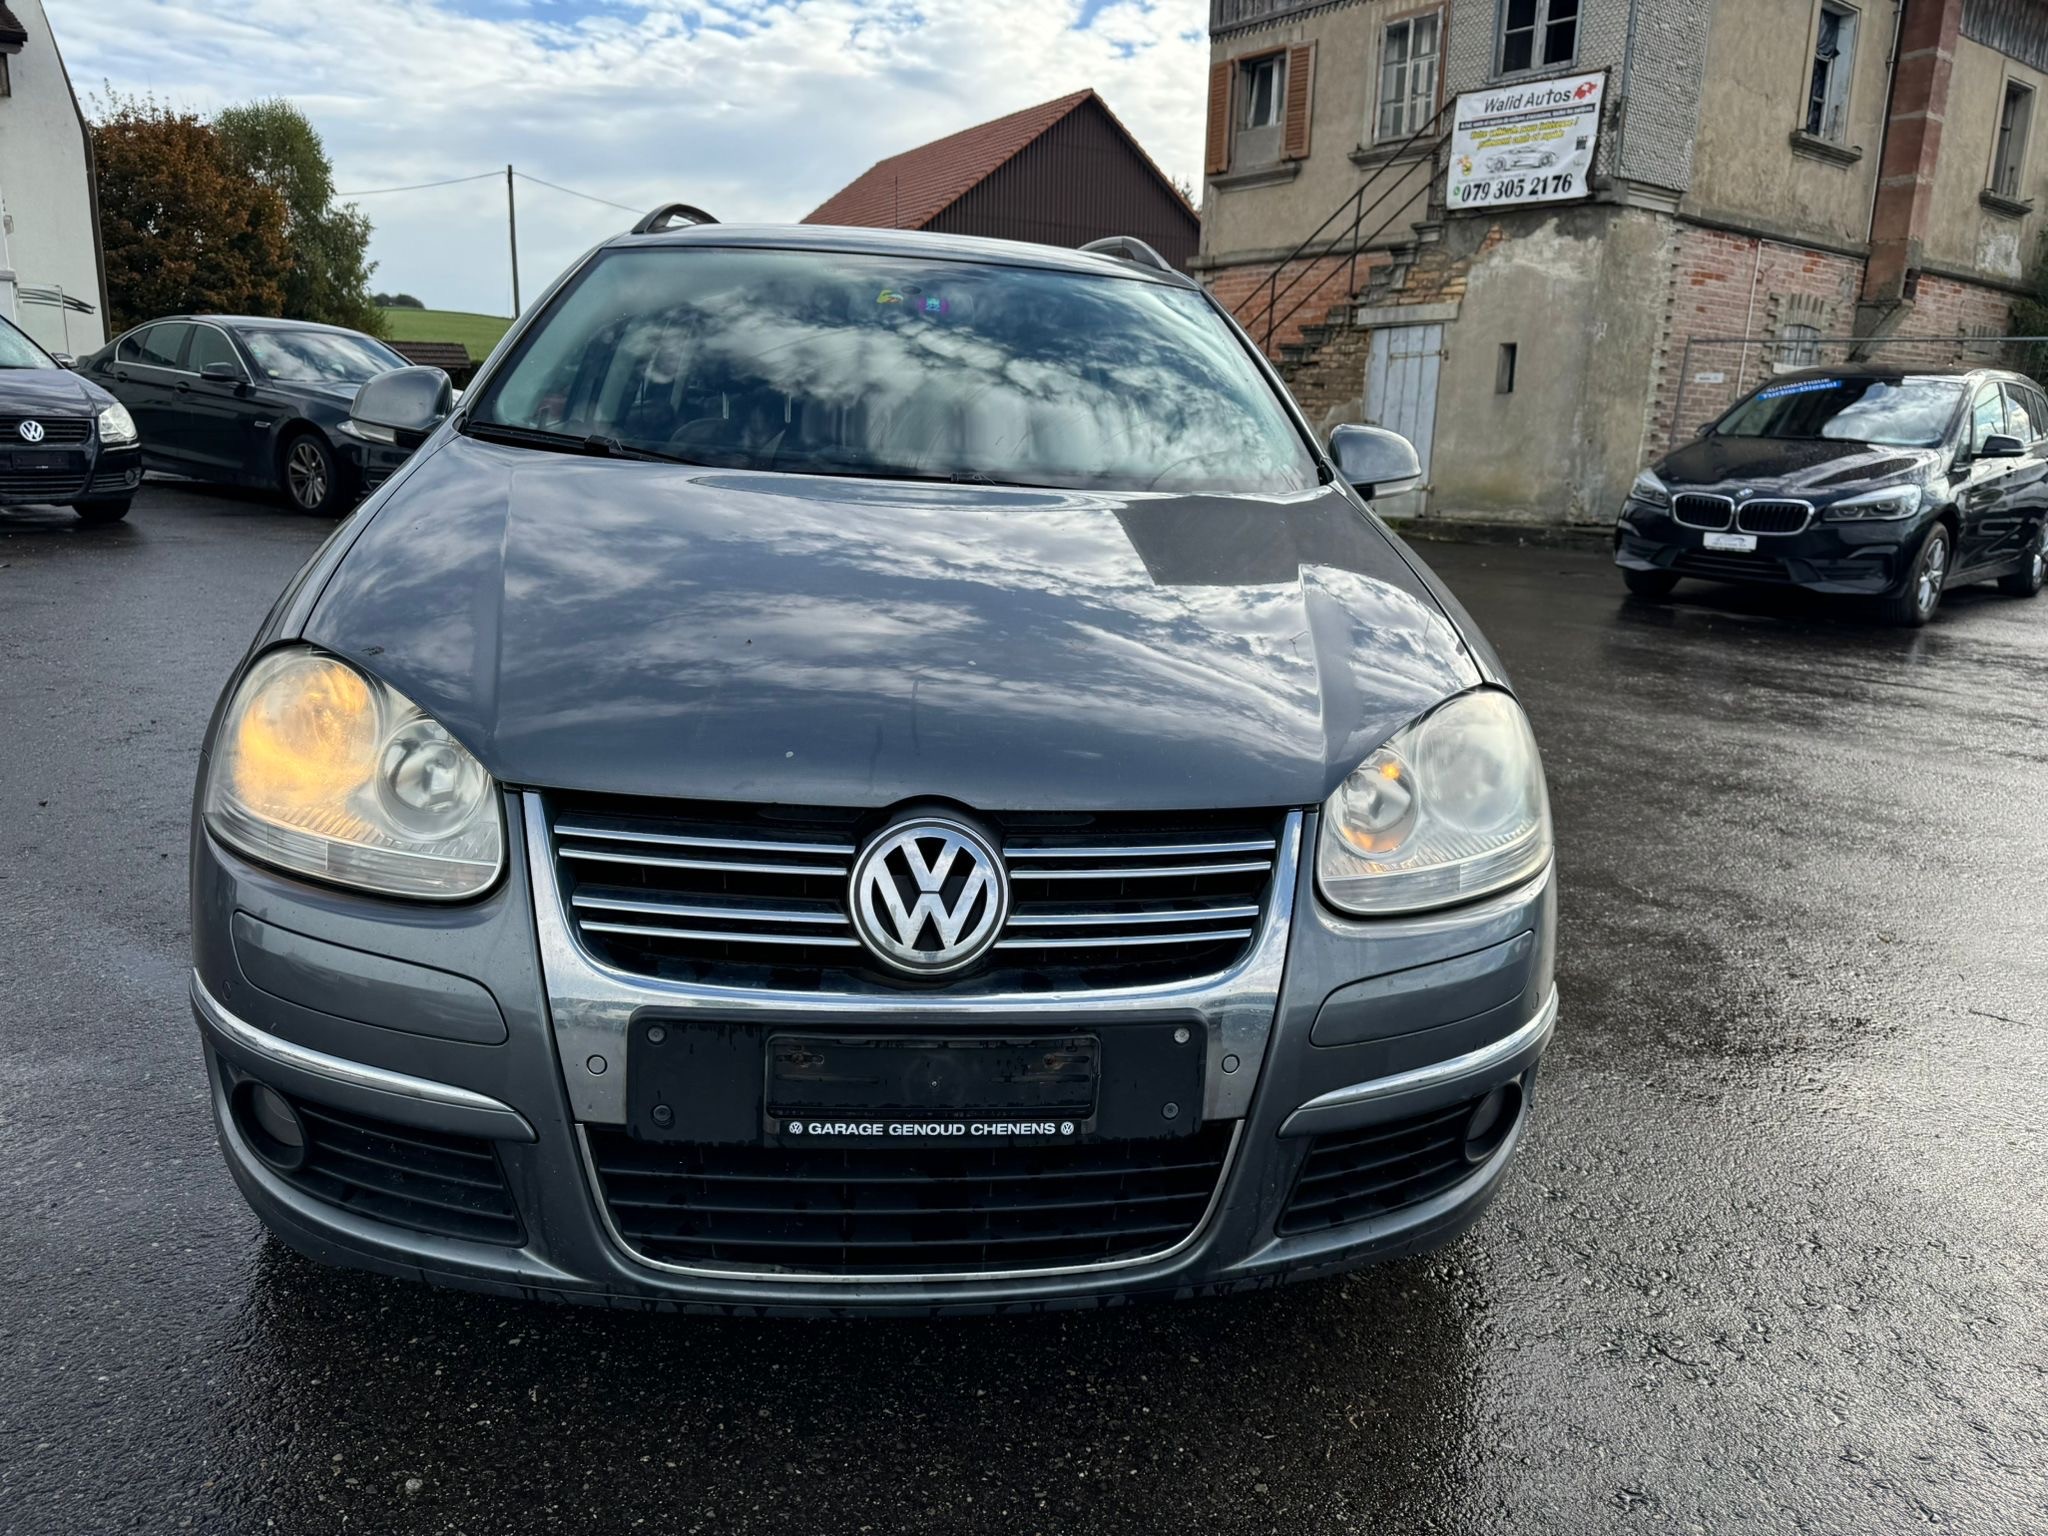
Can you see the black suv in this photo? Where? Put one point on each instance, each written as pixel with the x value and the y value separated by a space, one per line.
pixel 1878 481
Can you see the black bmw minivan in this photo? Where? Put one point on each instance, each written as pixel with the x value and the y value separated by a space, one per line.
pixel 870 771
pixel 1889 483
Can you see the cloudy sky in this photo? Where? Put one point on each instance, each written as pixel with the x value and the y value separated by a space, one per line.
pixel 754 110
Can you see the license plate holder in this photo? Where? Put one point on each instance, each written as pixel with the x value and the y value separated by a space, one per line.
pixel 1736 543
pixel 46 463
pixel 741 1082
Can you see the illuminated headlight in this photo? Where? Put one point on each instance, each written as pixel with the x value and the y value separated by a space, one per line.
pixel 1889 504
pixel 117 427
pixel 323 771
pixel 1451 808
pixel 1650 491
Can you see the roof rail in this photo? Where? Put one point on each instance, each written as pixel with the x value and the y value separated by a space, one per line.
pixel 667 215
pixel 1130 248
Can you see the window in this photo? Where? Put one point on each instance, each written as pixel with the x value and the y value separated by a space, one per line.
pixel 312 357
pixel 155 346
pixel 1987 417
pixel 1898 412
pixel 1536 34
pixel 1265 82
pixel 1834 60
pixel 210 345
pixel 2009 159
pixel 2027 413
pixel 899 367
pixel 1408 59
pixel 1504 369
pixel 1798 346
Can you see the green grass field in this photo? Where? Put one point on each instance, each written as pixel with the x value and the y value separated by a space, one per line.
pixel 479 333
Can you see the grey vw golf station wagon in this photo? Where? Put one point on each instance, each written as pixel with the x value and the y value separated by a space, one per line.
pixel 869 771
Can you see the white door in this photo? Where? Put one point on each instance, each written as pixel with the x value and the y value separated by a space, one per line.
pixel 1400 395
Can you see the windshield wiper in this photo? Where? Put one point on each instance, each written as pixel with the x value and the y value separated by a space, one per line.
pixel 595 444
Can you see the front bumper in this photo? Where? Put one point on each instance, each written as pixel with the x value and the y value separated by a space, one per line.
pixel 1867 558
pixel 98 474
pixel 454 1024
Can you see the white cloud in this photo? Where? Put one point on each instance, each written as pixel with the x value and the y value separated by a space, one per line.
pixel 754 111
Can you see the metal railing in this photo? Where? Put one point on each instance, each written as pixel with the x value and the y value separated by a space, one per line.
pixel 1400 169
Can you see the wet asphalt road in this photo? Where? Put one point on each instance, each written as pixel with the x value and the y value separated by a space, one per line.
pixel 1773 1257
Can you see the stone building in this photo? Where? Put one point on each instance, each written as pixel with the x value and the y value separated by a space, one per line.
pixel 1770 179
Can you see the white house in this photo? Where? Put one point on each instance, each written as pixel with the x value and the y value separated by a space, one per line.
pixel 52 274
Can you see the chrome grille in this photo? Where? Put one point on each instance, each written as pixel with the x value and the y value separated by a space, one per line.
pixel 1773 517
pixel 1695 511
pixel 57 430
pixel 758 895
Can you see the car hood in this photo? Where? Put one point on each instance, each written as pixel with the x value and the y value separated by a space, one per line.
pixel 59 391
pixel 649 629
pixel 1791 466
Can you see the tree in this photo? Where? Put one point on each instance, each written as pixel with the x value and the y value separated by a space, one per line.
pixel 328 275
pixel 395 301
pixel 183 228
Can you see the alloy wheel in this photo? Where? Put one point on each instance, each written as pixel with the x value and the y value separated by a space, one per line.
pixel 1933 566
pixel 306 473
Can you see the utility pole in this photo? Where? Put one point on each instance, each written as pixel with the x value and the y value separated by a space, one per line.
pixel 512 229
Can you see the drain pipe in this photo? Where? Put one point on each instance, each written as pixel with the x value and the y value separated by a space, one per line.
pixel 9 284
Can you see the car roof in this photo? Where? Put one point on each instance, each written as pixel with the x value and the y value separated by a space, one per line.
pixel 1898 371
pixel 256 323
pixel 900 242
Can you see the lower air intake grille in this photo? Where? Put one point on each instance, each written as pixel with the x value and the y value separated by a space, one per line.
pixel 1355 1175
pixel 907 1210
pixel 450 1186
pixel 757 895
pixel 41 487
pixel 1729 565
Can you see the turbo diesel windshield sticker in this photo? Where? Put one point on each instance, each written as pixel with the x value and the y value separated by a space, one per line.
pixel 1804 387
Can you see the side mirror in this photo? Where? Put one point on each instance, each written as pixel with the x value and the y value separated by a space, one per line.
pixel 222 373
pixel 63 359
pixel 1374 461
pixel 2000 446
pixel 401 407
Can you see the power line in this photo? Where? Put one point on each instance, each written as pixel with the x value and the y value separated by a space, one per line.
pixel 418 186
pixel 589 196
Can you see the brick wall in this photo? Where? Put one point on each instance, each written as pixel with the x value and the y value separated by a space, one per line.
pixel 1724 284
pixel 1944 307
pixel 1310 289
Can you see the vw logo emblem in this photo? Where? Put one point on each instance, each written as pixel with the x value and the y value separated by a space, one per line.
pixel 929 896
pixel 31 431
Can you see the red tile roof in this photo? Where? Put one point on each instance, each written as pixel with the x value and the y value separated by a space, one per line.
pixel 909 190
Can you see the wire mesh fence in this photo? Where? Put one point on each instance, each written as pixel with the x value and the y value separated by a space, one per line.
pixel 1716 371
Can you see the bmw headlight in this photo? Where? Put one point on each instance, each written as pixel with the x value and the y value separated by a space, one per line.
pixel 1451 808
pixel 323 771
pixel 117 427
pixel 1887 505
pixel 1650 491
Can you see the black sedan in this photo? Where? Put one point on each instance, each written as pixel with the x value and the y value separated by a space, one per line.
pixel 245 401
pixel 63 440
pixel 1897 485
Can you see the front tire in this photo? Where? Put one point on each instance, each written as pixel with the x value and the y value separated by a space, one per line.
pixel 1655 585
pixel 311 476
pixel 95 513
pixel 1920 595
pixel 2028 579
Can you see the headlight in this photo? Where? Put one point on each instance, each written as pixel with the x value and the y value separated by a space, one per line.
pixel 117 427
pixel 1650 491
pixel 1894 501
pixel 1452 808
pixel 325 772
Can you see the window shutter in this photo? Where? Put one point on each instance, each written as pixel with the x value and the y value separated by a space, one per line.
pixel 1220 75
pixel 1301 69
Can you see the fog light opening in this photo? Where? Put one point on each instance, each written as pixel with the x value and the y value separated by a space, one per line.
pixel 270 1125
pixel 1493 1117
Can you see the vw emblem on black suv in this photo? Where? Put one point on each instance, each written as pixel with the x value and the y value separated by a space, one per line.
pixel 31 431
pixel 929 896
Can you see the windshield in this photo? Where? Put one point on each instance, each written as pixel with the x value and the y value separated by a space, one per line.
pixel 1894 413
pixel 318 357
pixel 827 363
pixel 17 351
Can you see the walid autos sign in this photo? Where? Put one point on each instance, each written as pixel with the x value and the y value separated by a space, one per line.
pixel 1525 143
